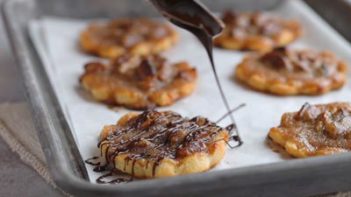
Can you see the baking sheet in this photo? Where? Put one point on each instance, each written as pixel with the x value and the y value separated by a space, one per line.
pixel 56 41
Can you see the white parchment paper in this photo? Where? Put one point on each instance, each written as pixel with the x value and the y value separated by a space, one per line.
pixel 56 40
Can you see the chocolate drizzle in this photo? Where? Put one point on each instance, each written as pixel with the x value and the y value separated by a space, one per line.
pixel 194 17
pixel 116 175
pixel 156 135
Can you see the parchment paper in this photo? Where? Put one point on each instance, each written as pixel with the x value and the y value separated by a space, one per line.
pixel 56 40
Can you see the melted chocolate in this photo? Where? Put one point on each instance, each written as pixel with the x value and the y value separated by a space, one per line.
pixel 98 167
pixel 90 161
pixel 116 177
pixel 178 137
pixel 156 135
pixel 192 16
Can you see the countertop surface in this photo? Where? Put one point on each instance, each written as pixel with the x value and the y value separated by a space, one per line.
pixel 16 178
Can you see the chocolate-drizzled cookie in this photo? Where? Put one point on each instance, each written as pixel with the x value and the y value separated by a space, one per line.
pixel 159 144
pixel 315 130
pixel 256 31
pixel 139 36
pixel 292 72
pixel 139 82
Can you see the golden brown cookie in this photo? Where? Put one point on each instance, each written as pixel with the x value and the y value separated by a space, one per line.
pixel 139 82
pixel 315 130
pixel 139 36
pixel 256 31
pixel 292 72
pixel 161 144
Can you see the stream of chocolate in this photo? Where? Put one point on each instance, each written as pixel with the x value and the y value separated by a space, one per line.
pixel 192 16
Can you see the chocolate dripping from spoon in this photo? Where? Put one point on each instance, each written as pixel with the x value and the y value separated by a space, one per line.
pixel 194 17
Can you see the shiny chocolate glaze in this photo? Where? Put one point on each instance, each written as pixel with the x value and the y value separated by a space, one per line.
pixel 156 135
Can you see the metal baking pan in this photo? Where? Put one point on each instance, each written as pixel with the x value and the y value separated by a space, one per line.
pixel 298 177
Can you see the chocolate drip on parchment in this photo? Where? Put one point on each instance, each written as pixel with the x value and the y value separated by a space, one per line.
pixel 113 176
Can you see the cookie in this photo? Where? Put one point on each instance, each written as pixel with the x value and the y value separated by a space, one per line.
pixel 161 144
pixel 256 31
pixel 292 72
pixel 139 82
pixel 140 36
pixel 315 130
